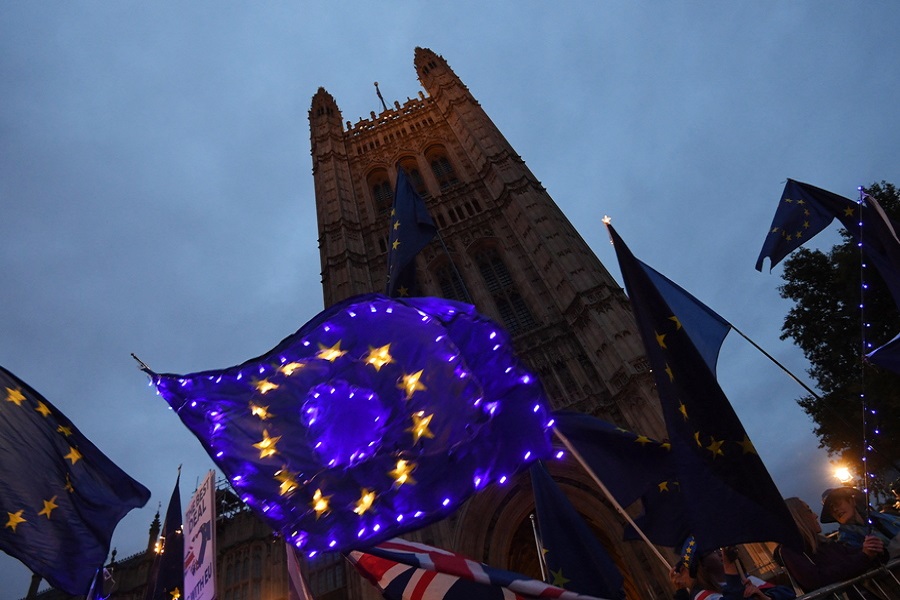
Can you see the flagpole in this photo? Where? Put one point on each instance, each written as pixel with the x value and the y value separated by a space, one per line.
pixel 609 496
pixel 540 550
pixel 453 264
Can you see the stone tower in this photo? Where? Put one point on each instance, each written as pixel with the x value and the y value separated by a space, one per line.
pixel 507 247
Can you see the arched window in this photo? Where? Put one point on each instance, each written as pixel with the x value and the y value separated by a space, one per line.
pixel 411 167
pixel 512 308
pixel 441 167
pixel 452 286
pixel 382 192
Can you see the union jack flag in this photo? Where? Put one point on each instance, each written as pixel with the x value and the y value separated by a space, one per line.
pixel 411 571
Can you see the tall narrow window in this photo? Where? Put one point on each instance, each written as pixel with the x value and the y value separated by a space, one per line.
pixel 382 193
pixel 512 308
pixel 411 167
pixel 452 286
pixel 441 167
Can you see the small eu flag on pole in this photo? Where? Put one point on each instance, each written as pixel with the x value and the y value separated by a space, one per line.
pixel 61 498
pixel 411 230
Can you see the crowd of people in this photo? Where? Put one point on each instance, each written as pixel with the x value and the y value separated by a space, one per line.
pixel 865 539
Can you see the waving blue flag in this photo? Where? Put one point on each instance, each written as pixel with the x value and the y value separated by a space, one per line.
pixel 166 578
pixel 576 560
pixel 411 230
pixel 378 416
pixel 61 498
pixel 728 496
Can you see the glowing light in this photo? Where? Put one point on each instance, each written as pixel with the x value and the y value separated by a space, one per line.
pixel 366 498
pixel 287 481
pixel 266 446
pixel 419 428
pixel 320 503
pixel 402 473
pixel 843 474
pixel 411 384
pixel 260 411
pixel 289 368
pixel 378 357
pixel 332 353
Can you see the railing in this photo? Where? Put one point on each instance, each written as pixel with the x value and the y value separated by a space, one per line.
pixel 879 584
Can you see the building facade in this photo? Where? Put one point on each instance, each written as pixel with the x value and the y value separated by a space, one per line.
pixel 506 247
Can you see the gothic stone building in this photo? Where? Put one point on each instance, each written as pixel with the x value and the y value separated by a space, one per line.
pixel 506 245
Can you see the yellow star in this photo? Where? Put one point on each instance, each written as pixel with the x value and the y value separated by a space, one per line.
pixel 683 410
pixel 747 445
pixel 642 439
pixel 393 211
pixel 666 446
pixel 670 373
pixel 43 409
pixel 411 384
pixel 715 447
pixel 403 291
pixel 49 505
pixel 420 426
pixel 401 473
pixel 66 431
pixel 73 455
pixel 661 340
pixel 69 487
pixel 264 385
pixel 289 368
pixel 798 235
pixel 266 446
pixel 14 519
pixel 176 594
pixel 396 224
pixel 558 579
pixel 320 503
pixel 774 230
pixel 848 212
pixel 330 354
pixel 260 411
pixel 663 486
pixel 378 357
pixel 396 244
pixel 806 224
pixel 801 202
pixel 788 200
pixel 14 396
pixel 677 322
pixel 366 498
pixel 697 438
pixel 288 481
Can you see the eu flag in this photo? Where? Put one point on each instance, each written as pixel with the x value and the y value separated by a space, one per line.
pixel 805 210
pixel 411 230
pixel 61 498
pixel 378 416
pixel 729 497
pixel 166 578
pixel 575 559
pixel 887 356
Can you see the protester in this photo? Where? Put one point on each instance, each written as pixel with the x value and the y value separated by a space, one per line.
pixel 714 576
pixel 847 506
pixel 822 561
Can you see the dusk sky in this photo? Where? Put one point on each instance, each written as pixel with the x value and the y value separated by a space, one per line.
pixel 157 194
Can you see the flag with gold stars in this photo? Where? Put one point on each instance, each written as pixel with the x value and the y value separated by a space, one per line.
pixel 575 559
pixel 378 416
pixel 728 496
pixel 165 581
pixel 411 230
pixel 61 497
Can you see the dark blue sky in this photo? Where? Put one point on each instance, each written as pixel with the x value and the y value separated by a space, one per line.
pixel 157 194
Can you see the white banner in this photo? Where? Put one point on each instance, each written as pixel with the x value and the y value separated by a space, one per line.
pixel 200 542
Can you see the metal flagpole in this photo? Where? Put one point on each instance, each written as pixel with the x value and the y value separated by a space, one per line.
pixel 609 496
pixel 540 548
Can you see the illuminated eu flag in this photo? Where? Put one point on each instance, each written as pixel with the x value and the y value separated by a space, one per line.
pixel 61 498
pixel 728 496
pixel 377 417
pixel 411 230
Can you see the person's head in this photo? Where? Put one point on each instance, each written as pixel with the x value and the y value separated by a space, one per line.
pixel 807 522
pixel 843 505
pixel 706 570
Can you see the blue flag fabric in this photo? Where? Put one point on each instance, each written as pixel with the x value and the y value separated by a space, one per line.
pixel 410 571
pixel 705 327
pixel 805 210
pixel 411 230
pixel 887 356
pixel 166 578
pixel 729 497
pixel 628 463
pixel 575 559
pixel 378 416
pixel 61 497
